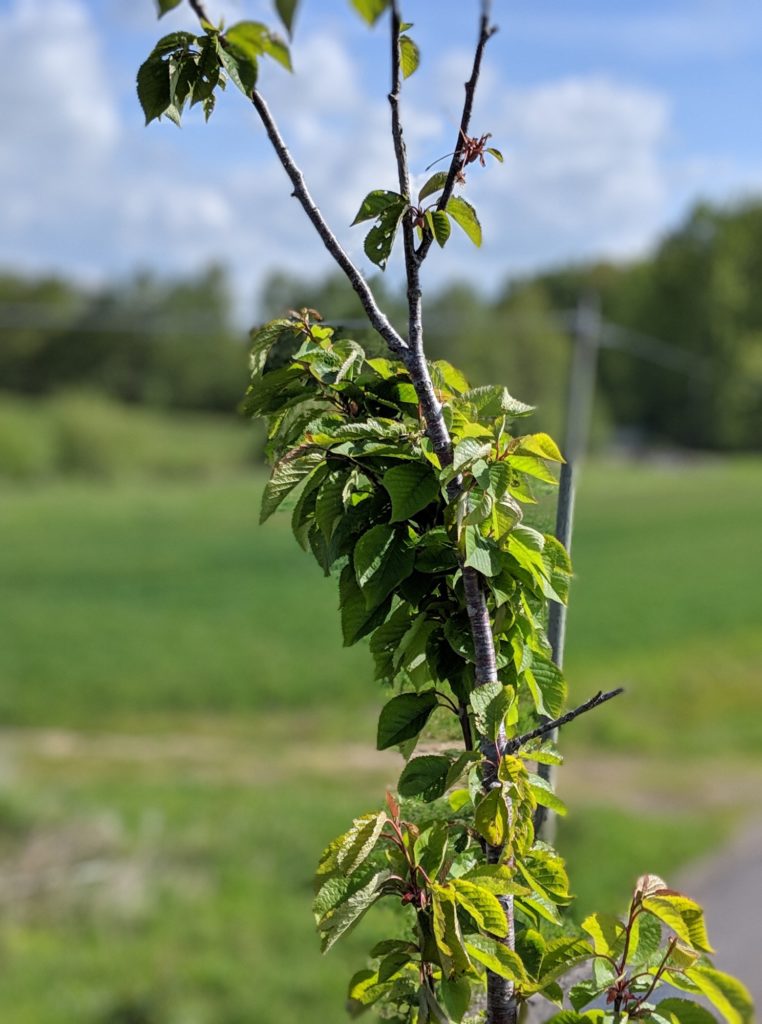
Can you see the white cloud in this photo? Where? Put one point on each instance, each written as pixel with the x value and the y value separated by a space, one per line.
pixel 589 168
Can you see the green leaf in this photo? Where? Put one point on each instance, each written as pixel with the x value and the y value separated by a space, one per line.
pixel 376 203
pixel 439 225
pixel 561 954
pixel 357 620
pixel 403 717
pixel 382 558
pixel 540 444
pixel 496 957
pixel 153 88
pixel 285 476
pixel 482 905
pixel 411 486
pixel 242 68
pixel 410 56
pixel 252 39
pixel 163 6
pixel 286 12
pixel 544 795
pixel 464 215
pixel 645 940
pixel 380 239
pixel 456 996
pixel 482 553
pixel 329 505
pixel 550 685
pixel 430 848
pixel 448 934
pixel 347 914
pixel 569 1017
pixel 434 184
pixel 726 993
pixel 347 852
pixel 468 451
pixel 683 915
pixel 498 878
pixel 684 1011
pixel 494 152
pixel 493 401
pixel 175 41
pixel 605 930
pixel 491 702
pixel 370 10
pixel 425 776
pixel 491 817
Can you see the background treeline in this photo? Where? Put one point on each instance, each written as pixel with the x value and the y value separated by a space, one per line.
pixel 680 363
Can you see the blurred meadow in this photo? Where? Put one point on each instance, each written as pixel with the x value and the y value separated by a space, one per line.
pixel 181 731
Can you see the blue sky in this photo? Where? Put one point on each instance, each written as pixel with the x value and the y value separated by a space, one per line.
pixel 614 118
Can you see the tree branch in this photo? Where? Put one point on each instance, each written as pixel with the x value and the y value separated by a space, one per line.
pixel 600 698
pixel 486 31
pixel 378 320
pixel 198 10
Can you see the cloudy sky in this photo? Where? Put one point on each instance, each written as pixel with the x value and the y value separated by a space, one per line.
pixel 613 116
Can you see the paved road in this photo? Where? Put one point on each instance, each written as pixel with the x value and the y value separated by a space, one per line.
pixel 729 887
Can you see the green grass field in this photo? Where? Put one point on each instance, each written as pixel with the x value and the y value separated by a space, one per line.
pixel 175 755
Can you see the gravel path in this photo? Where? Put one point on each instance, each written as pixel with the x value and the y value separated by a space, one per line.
pixel 729 887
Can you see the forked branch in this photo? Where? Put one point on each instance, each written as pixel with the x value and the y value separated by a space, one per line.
pixel 542 730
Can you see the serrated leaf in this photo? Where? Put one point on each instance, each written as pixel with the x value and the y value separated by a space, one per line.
pixel 242 68
pixel 434 184
pixel 542 445
pixel 382 559
pixel 380 239
pixel 410 56
pixel 605 930
pixel 544 795
pixel 491 702
pixel 403 717
pixel 376 203
pixel 448 935
pixel 683 915
pixel 464 215
pixel 491 817
pixel 425 776
pixel 482 553
pixel 439 225
pixel 347 914
pixel 482 905
pixel 411 486
pixel 357 620
pixel 252 39
pixel 153 88
pixel 430 848
pixel 286 475
pixel 348 851
pixel 496 957
pixel 370 10
pixel 286 12
pixel 163 6
pixel 561 954
pixel 493 401
pixel 498 878
pixel 548 686
pixel 726 993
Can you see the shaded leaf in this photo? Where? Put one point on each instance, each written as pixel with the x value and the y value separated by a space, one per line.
pixel 439 224
pixel 376 203
pixel 162 6
pixel 491 817
pixel 357 619
pixel 285 476
pixel 153 88
pixel 726 993
pixel 456 996
pixel 382 558
pixel 403 717
pixel 411 486
pixel 434 184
